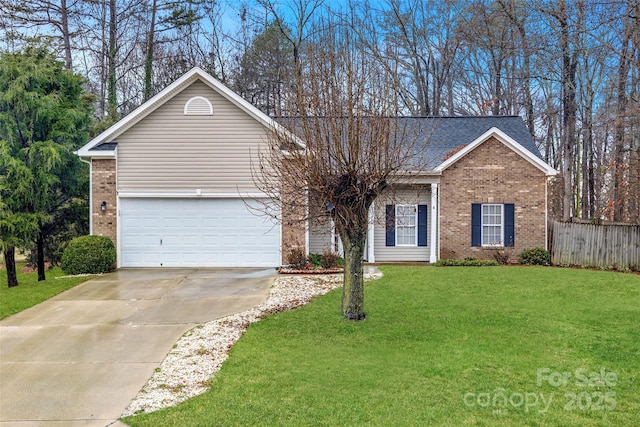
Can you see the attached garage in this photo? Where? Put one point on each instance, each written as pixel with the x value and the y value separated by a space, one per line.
pixel 167 181
pixel 195 232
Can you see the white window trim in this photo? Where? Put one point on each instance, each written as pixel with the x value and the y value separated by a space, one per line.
pixel 500 243
pixel 415 242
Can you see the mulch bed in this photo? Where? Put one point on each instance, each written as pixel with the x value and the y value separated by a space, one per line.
pixel 283 270
pixel 32 269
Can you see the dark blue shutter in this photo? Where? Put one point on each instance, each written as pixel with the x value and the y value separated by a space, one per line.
pixel 390 225
pixel 476 224
pixel 422 225
pixel 509 223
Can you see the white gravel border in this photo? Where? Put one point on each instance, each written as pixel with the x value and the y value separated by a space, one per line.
pixel 200 352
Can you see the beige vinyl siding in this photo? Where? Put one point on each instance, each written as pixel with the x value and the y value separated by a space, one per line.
pixel 319 236
pixel 406 196
pixel 319 230
pixel 170 152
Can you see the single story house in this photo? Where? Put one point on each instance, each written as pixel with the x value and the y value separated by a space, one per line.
pixel 172 186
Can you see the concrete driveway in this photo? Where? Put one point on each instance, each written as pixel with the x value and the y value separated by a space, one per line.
pixel 79 358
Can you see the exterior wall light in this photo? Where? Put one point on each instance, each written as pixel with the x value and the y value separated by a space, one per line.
pixel 103 206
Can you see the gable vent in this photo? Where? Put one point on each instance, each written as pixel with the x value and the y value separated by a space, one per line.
pixel 198 106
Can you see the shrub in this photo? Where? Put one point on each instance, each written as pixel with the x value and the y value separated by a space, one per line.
pixel 502 255
pixel 315 260
pixel 467 262
pixel 330 259
pixel 89 255
pixel 535 256
pixel 297 258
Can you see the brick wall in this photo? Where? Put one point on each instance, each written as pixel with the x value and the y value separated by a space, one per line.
pixel 491 173
pixel 104 189
pixel 294 214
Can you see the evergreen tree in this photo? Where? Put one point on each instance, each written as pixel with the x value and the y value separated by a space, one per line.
pixel 44 116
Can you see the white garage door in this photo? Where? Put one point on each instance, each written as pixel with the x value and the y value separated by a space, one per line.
pixel 195 233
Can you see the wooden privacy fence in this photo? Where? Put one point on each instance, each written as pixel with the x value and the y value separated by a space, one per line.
pixel 595 245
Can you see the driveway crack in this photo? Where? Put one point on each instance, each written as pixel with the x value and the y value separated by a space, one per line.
pixel 176 284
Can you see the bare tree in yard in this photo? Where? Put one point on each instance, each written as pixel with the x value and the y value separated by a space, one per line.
pixel 57 18
pixel 567 34
pixel 354 148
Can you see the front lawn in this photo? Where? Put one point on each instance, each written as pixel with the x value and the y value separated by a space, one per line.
pixel 30 292
pixel 457 346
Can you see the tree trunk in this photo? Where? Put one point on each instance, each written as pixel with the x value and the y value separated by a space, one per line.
pixel 587 166
pixel 619 187
pixel 497 96
pixel 353 289
pixel 40 255
pixel 112 99
pixel 10 263
pixel 66 35
pixel 634 177
pixel 569 108
pixel 148 62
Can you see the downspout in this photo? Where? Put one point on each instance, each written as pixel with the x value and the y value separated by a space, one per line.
pixel 307 233
pixel 546 213
pixel 371 257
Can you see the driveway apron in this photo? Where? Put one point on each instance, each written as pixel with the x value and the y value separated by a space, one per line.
pixel 79 358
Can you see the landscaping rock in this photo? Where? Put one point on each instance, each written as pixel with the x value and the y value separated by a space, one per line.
pixel 199 354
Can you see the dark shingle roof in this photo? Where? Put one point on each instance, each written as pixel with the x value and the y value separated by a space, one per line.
pixel 442 135
pixel 445 134
pixel 105 146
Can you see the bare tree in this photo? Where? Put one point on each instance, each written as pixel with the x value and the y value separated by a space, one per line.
pixel 55 18
pixel 355 147
pixel 164 16
pixel 302 13
pixel 620 184
pixel 568 31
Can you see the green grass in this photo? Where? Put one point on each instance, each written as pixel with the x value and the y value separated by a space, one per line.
pixel 30 292
pixel 433 337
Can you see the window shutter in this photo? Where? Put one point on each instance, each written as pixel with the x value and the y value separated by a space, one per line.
pixel 509 225
pixel 422 225
pixel 390 225
pixel 476 224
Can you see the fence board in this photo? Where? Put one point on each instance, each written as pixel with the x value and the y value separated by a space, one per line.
pixel 609 246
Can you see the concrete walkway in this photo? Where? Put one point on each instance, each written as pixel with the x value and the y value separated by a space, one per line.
pixel 79 358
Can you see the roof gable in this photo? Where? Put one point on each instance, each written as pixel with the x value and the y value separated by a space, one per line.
pixel 196 73
pixel 504 139
pixel 444 135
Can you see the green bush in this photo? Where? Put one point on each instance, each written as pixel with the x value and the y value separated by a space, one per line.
pixel 327 259
pixel 467 262
pixel 535 256
pixel 315 260
pixel 89 255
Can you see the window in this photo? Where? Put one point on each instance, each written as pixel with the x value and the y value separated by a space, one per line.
pixel 406 224
pixel 198 106
pixel 492 224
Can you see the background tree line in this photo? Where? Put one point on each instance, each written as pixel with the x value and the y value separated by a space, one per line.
pixel 571 69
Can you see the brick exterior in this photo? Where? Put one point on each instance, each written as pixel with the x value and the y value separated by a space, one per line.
pixel 293 220
pixel 103 183
pixel 293 228
pixel 491 173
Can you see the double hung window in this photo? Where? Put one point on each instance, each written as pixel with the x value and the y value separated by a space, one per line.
pixel 406 225
pixel 492 224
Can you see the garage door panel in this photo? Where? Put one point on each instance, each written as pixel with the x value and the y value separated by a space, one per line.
pixel 195 232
